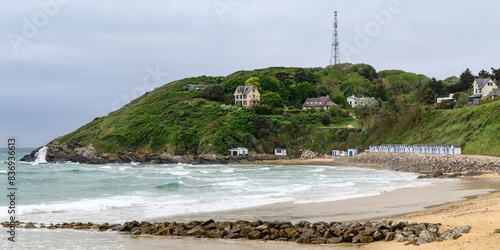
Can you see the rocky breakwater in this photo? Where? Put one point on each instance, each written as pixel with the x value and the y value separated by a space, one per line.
pixel 74 152
pixel 430 165
pixel 301 232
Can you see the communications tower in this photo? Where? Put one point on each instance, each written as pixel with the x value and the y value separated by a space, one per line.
pixel 334 57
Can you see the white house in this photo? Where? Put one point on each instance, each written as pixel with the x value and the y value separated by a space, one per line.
pixel 246 96
pixel 481 87
pixel 356 102
pixel 440 99
pixel 238 151
pixel 193 87
pixel 279 151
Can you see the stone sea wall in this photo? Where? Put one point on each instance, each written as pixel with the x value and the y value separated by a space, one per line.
pixel 430 164
pixel 301 232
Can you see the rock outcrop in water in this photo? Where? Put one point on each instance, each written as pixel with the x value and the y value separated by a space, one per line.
pixel 74 152
pixel 301 232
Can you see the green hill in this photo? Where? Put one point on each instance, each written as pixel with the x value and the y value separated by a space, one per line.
pixel 476 129
pixel 170 120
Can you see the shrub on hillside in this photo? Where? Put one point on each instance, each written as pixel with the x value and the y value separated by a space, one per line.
pixel 213 92
pixel 325 119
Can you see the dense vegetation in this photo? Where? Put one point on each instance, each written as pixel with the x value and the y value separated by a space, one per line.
pixel 174 121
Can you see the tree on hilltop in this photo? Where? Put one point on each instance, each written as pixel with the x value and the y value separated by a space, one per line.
pixel 466 80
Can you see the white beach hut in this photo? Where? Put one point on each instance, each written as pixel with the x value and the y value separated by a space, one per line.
pixel 335 152
pixel 352 152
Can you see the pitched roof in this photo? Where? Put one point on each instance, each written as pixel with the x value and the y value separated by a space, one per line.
pixel 476 96
pixel 245 90
pixel 494 92
pixel 318 102
pixel 481 82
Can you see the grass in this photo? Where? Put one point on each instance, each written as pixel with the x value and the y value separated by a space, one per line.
pixel 476 129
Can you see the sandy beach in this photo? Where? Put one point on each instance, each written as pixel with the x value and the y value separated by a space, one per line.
pixel 464 201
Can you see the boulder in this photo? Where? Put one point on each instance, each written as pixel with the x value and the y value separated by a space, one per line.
pixel 290 232
pixel 232 236
pixel 197 230
pixel 389 236
pixel 377 235
pixel 254 235
pixel 334 240
pixel 205 223
pixel 30 225
pixel 362 239
pixel 399 224
pixel 399 238
pixel 426 237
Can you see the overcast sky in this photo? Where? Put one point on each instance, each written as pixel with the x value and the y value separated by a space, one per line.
pixel 65 62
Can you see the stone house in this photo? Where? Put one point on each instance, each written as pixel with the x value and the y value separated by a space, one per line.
pixel 323 102
pixel 246 96
pixel 482 87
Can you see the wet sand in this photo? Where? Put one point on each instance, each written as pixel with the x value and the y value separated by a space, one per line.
pixel 388 204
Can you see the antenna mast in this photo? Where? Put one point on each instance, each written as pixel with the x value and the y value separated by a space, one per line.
pixel 334 57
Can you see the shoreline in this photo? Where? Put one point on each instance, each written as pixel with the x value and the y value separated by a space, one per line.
pixel 421 204
pixel 376 207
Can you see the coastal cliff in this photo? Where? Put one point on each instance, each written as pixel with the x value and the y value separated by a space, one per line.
pixel 75 152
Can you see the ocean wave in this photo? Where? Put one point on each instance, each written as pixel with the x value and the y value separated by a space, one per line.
pixel 182 173
pixel 170 186
pixel 232 183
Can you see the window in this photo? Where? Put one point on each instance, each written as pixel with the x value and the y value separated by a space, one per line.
pixel 278 151
pixel 490 84
pixel 244 103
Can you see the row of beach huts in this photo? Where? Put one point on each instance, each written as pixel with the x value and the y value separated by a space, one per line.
pixel 434 149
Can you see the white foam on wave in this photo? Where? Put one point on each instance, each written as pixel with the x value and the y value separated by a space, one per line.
pixel 40 156
pixel 3 171
pixel 227 170
pixel 232 183
pixel 180 173
pixel 106 167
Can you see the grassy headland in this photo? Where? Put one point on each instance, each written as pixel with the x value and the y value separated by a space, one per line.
pixel 174 121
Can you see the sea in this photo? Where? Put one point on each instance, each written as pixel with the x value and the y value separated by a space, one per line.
pixel 116 193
